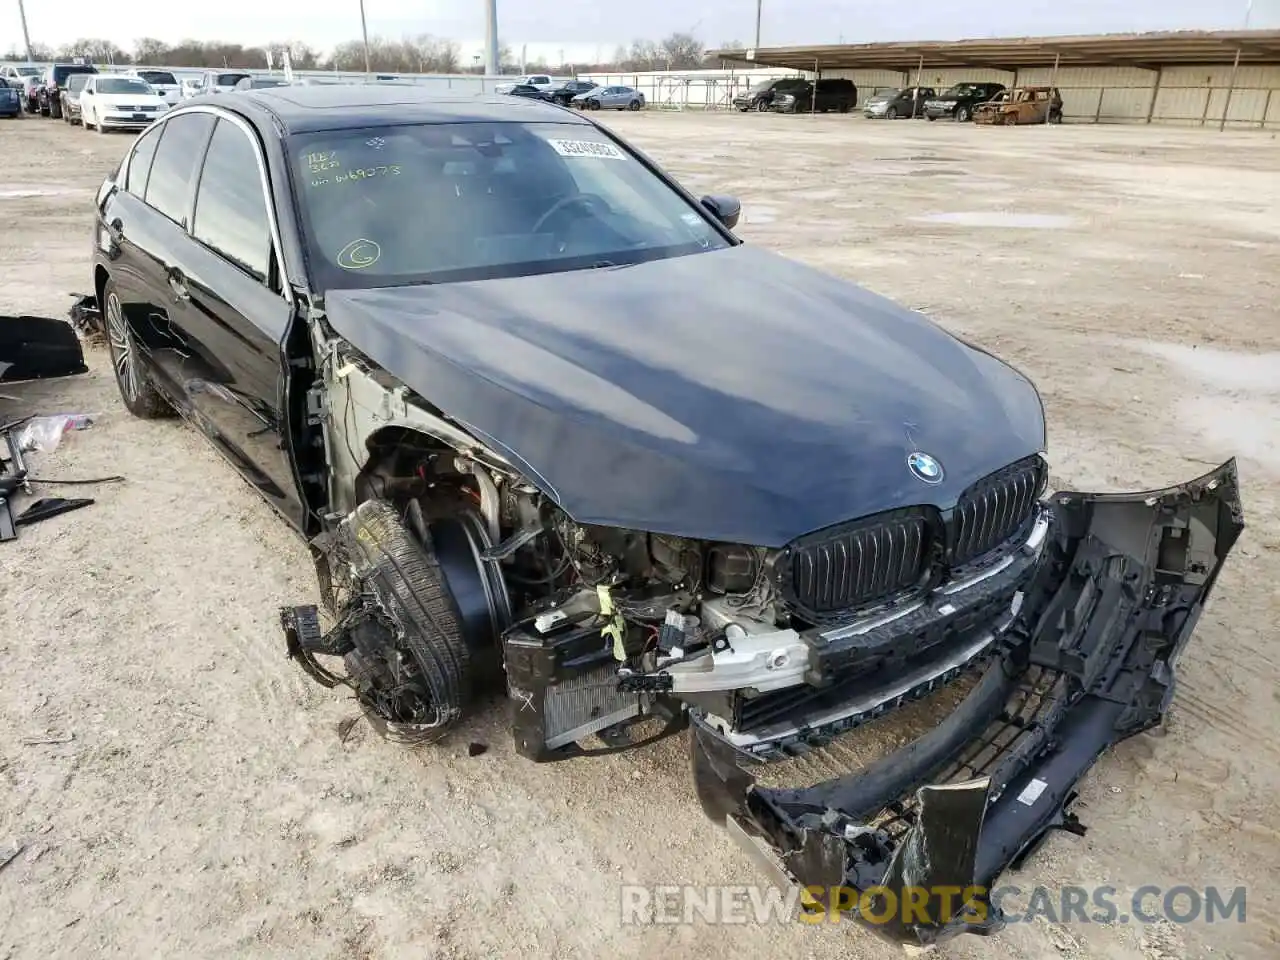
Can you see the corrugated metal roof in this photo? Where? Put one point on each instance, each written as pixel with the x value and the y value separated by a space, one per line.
pixel 1119 49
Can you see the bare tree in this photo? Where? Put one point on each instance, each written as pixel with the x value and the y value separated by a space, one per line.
pixel 150 51
pixel 682 51
pixel 94 50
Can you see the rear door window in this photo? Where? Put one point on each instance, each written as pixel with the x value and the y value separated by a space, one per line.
pixel 231 209
pixel 178 156
pixel 144 152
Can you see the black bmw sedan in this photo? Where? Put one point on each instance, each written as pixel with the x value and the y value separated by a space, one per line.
pixel 546 422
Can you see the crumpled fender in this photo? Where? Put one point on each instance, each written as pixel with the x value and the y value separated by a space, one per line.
pixel 912 845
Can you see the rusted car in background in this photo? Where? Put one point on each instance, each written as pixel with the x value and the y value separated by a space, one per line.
pixel 1021 105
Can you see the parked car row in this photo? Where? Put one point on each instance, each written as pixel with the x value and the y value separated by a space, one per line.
pixel 78 93
pixel 986 102
pixel 798 95
pixel 580 94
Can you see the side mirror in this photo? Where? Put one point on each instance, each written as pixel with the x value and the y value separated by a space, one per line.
pixel 725 209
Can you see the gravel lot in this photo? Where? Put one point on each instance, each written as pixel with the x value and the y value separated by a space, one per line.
pixel 206 804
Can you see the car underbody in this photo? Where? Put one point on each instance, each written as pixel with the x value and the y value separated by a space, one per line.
pixel 446 566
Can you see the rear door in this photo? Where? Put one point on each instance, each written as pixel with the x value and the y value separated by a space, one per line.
pixel 237 315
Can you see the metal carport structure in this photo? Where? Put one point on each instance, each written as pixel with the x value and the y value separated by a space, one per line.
pixel 1152 52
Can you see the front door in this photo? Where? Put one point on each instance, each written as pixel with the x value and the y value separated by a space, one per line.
pixel 237 316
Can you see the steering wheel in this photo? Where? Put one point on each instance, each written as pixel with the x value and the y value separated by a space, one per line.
pixel 564 203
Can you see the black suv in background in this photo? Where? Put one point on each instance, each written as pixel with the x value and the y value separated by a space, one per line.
pixel 958 102
pixel 55 79
pixel 833 94
pixel 563 95
pixel 761 96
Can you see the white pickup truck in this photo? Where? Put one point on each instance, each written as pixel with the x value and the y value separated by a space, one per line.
pixel 162 81
pixel 540 80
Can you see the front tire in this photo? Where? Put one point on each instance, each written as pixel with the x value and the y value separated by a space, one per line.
pixel 761 106
pixel 405 578
pixel 138 393
pixel 593 104
pixel 961 115
pixel 891 113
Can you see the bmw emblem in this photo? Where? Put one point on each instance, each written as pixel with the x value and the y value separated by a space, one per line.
pixel 924 467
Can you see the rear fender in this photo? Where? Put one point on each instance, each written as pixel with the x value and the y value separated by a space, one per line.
pixel 1088 662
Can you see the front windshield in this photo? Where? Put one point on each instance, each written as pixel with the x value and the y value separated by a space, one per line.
pixel 468 201
pixel 123 85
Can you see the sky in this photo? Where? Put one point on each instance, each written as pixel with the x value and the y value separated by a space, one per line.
pixel 591 29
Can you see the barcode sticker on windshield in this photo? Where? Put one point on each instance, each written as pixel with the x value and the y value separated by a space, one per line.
pixel 586 148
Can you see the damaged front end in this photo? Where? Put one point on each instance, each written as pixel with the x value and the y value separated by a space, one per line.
pixel 912 845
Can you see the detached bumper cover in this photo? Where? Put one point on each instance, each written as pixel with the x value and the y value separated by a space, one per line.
pixel 1088 662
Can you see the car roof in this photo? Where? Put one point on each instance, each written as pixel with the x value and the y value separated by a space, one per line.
pixel 303 109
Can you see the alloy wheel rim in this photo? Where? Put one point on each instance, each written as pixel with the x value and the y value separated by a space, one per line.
pixel 122 354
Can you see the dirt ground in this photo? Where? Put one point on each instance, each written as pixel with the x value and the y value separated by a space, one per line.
pixel 200 801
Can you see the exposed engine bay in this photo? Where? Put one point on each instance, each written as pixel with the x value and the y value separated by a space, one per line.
pixel 597 627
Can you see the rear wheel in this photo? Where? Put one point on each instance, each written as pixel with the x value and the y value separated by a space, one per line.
pixel 761 106
pixel 139 395
pixel 633 105
pixel 55 110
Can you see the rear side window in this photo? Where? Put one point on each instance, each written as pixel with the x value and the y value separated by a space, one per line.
pixel 144 152
pixel 231 209
pixel 229 79
pixel 177 158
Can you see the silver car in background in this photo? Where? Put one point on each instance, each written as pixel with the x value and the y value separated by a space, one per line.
pixel 610 98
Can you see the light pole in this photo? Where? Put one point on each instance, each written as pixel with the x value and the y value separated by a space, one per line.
pixel 760 5
pixel 364 31
pixel 26 37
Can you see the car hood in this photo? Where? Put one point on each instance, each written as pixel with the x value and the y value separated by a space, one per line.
pixel 731 395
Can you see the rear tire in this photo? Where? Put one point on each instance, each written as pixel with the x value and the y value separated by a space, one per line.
pixel 633 105
pixel 761 107
pixel 138 393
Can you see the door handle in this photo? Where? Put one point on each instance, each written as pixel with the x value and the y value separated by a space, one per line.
pixel 178 284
